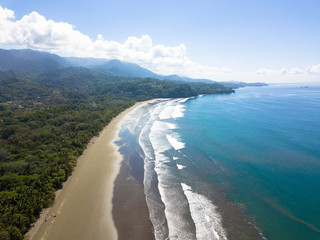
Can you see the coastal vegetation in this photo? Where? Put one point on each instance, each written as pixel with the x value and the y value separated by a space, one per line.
pixel 47 117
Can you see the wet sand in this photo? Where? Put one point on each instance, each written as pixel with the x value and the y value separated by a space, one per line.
pixel 130 211
pixel 129 204
pixel 83 208
pixel 104 197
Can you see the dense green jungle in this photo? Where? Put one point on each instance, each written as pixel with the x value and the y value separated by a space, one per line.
pixel 48 116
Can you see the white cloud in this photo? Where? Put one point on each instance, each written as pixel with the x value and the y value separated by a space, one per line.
pixel 315 69
pixel 296 71
pixel 6 14
pixel 36 32
pixel 285 75
pixel 283 71
pixel 264 71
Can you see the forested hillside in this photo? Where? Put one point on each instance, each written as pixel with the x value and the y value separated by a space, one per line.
pixel 47 118
pixel 29 59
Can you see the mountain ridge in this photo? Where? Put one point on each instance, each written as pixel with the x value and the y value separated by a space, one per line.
pixel 28 59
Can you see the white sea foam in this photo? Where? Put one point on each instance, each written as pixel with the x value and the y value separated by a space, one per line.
pixel 175 143
pixel 154 112
pixel 171 126
pixel 180 166
pixel 144 134
pixel 178 111
pixel 205 216
pixel 143 142
pixel 167 111
pixel 130 121
pixel 184 100
pixel 170 190
pixel 155 139
pixel 137 118
pixel 157 129
pixel 155 205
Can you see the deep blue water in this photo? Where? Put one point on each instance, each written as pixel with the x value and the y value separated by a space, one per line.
pixel 262 145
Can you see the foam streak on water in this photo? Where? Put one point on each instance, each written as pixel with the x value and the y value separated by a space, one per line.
pixel 176 204
pixel 179 109
pixel 175 143
pixel 172 205
pixel 167 111
pixel 205 215
pixel 154 201
pixel 180 166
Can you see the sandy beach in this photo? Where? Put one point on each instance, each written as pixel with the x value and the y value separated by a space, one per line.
pixel 83 208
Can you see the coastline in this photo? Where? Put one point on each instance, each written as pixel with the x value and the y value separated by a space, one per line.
pixel 104 197
pixel 83 207
pixel 136 173
pixel 130 209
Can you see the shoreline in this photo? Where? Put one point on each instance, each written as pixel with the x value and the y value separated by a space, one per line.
pixel 130 209
pixel 83 207
pixel 104 197
pixel 131 224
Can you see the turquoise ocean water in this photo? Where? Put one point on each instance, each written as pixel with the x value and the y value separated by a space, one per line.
pixel 263 144
pixel 207 157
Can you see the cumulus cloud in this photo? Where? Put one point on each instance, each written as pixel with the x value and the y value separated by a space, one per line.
pixel 264 71
pixel 315 69
pixel 36 32
pixel 283 71
pixel 296 71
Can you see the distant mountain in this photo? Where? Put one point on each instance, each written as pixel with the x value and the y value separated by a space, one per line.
pixel 185 79
pixel 125 69
pixel 35 60
pixel 113 67
pixel 86 62
pixel 29 59
pixel 235 84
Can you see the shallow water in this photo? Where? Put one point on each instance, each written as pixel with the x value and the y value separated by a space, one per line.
pixel 260 146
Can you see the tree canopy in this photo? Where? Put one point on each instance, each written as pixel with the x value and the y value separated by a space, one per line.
pixel 46 120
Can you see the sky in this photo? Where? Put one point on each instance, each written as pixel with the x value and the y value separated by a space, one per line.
pixel 249 40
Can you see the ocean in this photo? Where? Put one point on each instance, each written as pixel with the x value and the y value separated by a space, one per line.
pixel 235 166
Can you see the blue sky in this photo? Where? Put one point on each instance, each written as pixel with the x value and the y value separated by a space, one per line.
pixel 260 40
